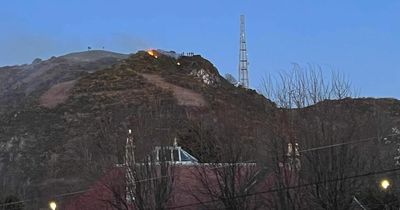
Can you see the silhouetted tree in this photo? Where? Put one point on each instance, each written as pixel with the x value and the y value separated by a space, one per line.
pixel 305 86
pixel 231 175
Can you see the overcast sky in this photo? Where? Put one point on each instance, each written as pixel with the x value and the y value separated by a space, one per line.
pixel 359 38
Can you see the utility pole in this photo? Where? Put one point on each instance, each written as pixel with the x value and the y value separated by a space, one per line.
pixel 243 63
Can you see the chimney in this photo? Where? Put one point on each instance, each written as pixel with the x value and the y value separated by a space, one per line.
pixel 293 156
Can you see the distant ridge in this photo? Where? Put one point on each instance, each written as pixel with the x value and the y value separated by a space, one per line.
pixel 93 55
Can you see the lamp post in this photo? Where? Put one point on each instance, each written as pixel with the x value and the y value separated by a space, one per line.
pixel 385 184
pixel 53 205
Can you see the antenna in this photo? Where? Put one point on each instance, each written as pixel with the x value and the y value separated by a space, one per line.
pixel 243 63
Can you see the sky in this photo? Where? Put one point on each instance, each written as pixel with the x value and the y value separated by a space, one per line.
pixel 359 38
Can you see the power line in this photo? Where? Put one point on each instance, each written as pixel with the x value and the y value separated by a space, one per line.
pixel 344 143
pixel 56 196
pixel 236 197
pixel 222 166
pixel 293 187
pixel 72 193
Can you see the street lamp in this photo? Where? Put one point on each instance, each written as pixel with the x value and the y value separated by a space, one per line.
pixel 385 184
pixel 53 205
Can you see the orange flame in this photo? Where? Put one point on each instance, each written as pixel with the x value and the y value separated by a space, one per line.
pixel 152 53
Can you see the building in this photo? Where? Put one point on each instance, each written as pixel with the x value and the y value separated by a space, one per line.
pixel 192 185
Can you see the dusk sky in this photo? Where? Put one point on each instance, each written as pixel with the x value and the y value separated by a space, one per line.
pixel 359 38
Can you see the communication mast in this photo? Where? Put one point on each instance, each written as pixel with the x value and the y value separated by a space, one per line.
pixel 243 64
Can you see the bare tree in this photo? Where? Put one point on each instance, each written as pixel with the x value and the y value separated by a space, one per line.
pixel 305 86
pixel 282 159
pixel 147 184
pixel 324 164
pixel 301 88
pixel 230 181
pixel 146 178
pixel 230 175
pixel 326 167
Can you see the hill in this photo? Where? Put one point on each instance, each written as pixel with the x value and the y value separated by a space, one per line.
pixel 64 120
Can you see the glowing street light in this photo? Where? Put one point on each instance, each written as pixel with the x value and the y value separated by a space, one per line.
pixel 53 205
pixel 385 184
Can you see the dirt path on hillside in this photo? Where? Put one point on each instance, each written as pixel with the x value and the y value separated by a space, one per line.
pixel 184 96
pixel 57 94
